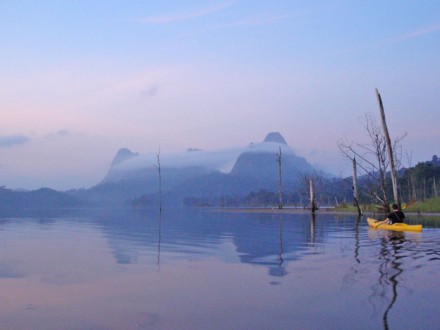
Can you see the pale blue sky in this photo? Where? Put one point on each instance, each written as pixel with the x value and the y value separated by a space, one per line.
pixel 81 79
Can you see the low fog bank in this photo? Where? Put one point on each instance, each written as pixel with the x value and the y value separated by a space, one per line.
pixel 220 160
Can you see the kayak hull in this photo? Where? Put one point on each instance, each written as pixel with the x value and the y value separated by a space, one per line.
pixel 397 226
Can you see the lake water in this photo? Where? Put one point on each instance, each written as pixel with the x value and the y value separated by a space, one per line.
pixel 215 270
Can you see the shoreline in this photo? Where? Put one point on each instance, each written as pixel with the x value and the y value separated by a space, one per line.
pixel 287 210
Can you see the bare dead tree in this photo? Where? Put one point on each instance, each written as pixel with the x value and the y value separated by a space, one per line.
pixel 280 197
pixel 355 188
pixel 312 196
pixel 372 157
pixel 377 148
pixel 350 150
pixel 160 180
pixel 390 151
pixel 311 181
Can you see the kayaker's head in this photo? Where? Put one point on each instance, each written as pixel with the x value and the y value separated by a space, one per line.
pixel 395 207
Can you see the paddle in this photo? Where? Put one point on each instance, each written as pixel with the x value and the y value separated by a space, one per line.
pixel 412 201
pixel 381 223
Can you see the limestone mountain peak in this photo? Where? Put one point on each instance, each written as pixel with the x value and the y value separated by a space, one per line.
pixel 275 137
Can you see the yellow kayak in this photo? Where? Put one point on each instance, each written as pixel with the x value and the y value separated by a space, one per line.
pixel 397 226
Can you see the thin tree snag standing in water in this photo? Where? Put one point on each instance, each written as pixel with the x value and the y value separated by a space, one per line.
pixel 312 197
pixel 375 158
pixel 280 197
pixel 375 149
pixel 355 189
pixel 390 151
pixel 160 180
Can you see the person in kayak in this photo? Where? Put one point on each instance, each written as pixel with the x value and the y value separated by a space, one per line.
pixel 396 216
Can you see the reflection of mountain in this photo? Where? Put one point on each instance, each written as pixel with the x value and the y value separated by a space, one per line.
pixel 133 233
pixel 256 237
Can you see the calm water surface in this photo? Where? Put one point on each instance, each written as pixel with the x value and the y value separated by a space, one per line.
pixel 212 270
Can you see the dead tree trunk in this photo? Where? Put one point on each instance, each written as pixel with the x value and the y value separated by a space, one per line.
pixel 413 187
pixel 280 196
pixel 355 188
pixel 160 180
pixel 424 188
pixel 312 197
pixel 390 152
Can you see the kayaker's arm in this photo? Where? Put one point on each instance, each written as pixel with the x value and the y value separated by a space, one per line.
pixel 386 221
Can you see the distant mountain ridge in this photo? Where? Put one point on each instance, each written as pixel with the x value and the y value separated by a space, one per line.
pixel 123 155
pixel 240 177
pixel 40 198
pixel 193 175
pixel 275 137
pixel 255 168
pixel 259 161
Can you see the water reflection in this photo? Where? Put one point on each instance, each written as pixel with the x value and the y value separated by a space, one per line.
pixel 159 240
pixel 312 228
pixel 356 239
pixel 390 269
pixel 268 240
pixel 280 269
pixel 280 221
pixel 399 253
pixel 249 270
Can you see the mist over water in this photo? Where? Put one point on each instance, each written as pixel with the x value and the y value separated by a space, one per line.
pixel 222 160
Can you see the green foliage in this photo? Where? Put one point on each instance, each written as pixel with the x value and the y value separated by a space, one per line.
pixel 261 198
pixel 344 207
pixel 421 181
pixel 431 205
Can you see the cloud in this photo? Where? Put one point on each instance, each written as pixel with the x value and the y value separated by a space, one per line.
pixel 248 22
pixel 9 141
pixel 260 20
pixel 151 90
pixel 221 160
pixel 146 84
pixel 63 132
pixel 418 33
pixel 172 18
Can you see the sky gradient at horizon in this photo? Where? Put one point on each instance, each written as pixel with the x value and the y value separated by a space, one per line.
pixel 82 79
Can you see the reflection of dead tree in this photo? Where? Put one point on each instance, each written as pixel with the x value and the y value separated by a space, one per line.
pixel 279 270
pixel 356 239
pixel 389 271
pixel 281 239
pixel 312 228
pixel 159 240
